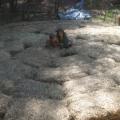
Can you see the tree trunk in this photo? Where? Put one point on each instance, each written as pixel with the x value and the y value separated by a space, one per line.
pixel 0 3
pixel 13 5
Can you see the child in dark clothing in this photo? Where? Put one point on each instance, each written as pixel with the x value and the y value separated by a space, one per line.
pixel 52 41
pixel 64 42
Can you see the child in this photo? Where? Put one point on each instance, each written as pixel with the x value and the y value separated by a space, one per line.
pixel 52 41
pixel 64 42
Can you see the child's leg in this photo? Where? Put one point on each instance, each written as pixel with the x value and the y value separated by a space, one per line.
pixel 66 43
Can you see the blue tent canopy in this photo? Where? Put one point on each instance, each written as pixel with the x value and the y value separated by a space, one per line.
pixel 75 12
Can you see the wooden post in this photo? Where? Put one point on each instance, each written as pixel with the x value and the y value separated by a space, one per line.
pixel 119 20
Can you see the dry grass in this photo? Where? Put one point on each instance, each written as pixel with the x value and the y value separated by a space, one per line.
pixel 35 109
pixel 81 83
pixel 109 116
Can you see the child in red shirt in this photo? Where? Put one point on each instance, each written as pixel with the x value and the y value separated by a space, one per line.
pixel 52 41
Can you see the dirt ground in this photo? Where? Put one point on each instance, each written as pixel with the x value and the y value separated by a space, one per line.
pixel 80 83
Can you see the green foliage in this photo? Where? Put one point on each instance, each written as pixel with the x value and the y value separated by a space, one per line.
pixel 93 4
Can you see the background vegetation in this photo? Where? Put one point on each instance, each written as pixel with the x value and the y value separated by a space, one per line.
pixel 12 10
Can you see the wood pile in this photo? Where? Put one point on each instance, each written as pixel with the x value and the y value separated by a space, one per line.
pixel 40 10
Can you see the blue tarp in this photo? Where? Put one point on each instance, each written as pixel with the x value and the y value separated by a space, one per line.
pixel 75 13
